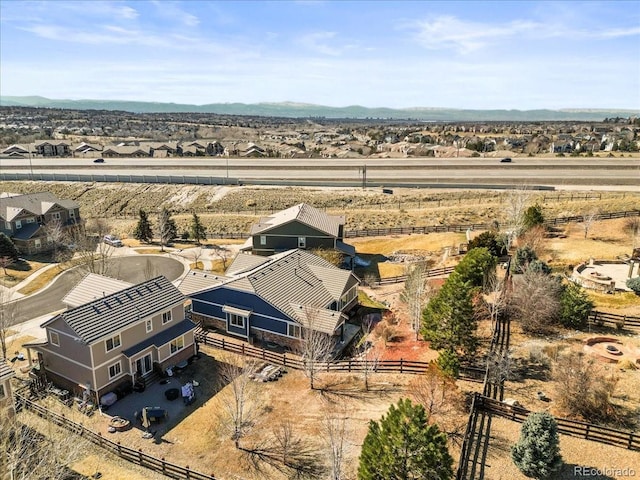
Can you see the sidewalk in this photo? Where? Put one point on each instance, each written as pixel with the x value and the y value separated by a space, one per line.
pixel 12 293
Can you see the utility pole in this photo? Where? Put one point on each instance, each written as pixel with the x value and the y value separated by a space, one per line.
pixel 363 169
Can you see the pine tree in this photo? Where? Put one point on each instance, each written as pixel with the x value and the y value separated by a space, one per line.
pixel 575 306
pixel 198 231
pixel 537 453
pixel 143 228
pixel 532 217
pixel 402 445
pixel 166 227
pixel 7 248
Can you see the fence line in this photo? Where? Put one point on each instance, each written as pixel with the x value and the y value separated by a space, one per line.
pixel 436 272
pixel 588 431
pixel 349 365
pixel 138 457
pixel 614 320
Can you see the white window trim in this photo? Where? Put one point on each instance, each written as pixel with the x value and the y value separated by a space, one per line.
pixel 232 316
pixel 302 242
pixel 167 317
pixel 148 325
pixel 177 349
pixel 106 346
pixel 263 239
pixel 119 364
pixel 72 213
pixel 18 224
pixel 30 220
pixel 294 326
pixel 51 336
pixel 56 215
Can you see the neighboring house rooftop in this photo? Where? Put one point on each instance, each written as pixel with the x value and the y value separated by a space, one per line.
pixel 110 314
pixel 311 216
pixel 92 287
pixel 244 262
pixel 35 203
pixel 5 370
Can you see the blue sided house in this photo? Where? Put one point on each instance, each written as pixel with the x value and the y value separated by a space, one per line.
pixel 274 299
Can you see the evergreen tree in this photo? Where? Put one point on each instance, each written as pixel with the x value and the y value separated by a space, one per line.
pixel 539 266
pixel 198 231
pixel 532 217
pixel 521 260
pixel 143 228
pixel 403 446
pixel 448 321
pixel 575 306
pixel 634 284
pixel 7 248
pixel 167 229
pixel 477 266
pixel 491 241
pixel 537 453
pixel 449 363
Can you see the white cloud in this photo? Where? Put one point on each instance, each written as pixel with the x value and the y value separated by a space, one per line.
pixel 173 12
pixel 319 42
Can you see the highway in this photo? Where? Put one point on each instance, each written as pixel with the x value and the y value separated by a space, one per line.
pixel 531 170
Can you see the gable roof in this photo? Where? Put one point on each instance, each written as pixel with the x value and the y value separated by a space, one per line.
pixel 105 316
pixel 196 281
pixel 243 262
pixel 35 203
pixel 91 287
pixel 303 213
pixel 296 281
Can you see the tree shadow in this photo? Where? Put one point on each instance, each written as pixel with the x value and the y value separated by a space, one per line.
pixel 337 388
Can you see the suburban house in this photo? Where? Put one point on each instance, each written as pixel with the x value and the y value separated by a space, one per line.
pixel 26 219
pixel 6 396
pixel 53 148
pixel 18 151
pixel 301 226
pixel 273 299
pixel 113 341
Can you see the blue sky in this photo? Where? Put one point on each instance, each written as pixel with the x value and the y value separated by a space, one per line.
pixel 471 54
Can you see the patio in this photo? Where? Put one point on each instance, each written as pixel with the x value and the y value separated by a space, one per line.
pixel 201 373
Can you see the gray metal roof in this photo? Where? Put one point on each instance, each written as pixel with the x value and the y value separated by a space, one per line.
pixel 311 216
pixel 297 278
pixel 92 287
pixel 243 262
pixel 103 317
pixel 196 280
pixel 35 203
pixel 5 370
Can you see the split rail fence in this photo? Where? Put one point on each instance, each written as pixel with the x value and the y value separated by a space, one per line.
pixel 614 320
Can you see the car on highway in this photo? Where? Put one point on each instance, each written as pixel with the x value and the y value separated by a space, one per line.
pixel 506 160
pixel 99 160
pixel 113 241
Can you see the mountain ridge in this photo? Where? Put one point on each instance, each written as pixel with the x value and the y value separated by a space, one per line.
pixel 305 110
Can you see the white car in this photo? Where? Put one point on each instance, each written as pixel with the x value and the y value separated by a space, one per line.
pixel 113 241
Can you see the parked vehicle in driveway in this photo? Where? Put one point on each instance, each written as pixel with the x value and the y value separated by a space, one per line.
pixel 113 241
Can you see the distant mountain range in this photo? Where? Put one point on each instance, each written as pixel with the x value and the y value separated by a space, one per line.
pixel 304 110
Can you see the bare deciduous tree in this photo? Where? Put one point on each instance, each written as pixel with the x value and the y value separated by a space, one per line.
pixel 57 236
pixel 335 435
pixel 535 301
pixel 167 229
pixel 368 355
pixel 516 204
pixel 416 294
pixel 588 220
pixel 4 263
pixel 37 450
pixel 239 398
pixel 223 254
pixel 92 253
pixel 632 228
pixel 314 347
pixel 194 255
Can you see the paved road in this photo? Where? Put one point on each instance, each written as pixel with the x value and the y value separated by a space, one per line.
pixel 532 170
pixel 130 269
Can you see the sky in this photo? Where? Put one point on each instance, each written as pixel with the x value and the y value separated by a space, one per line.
pixel 398 54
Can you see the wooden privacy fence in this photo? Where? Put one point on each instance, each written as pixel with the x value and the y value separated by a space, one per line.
pixel 575 428
pixel 614 320
pixel 468 372
pixel 138 457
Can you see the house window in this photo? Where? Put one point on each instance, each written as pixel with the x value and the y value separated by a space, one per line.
pixel 236 320
pixel 166 317
pixel 149 325
pixel 2 392
pixel 115 370
pixel 263 239
pixel 18 224
pixel 302 242
pixel 37 243
pixel 294 331
pixel 72 214
pixel 7 225
pixel 54 339
pixel 55 215
pixel 113 342
pixel 31 220
pixel 177 344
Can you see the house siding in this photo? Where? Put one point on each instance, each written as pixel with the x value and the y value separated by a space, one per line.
pixel 285 237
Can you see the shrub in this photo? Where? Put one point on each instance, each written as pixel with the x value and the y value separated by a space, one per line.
pixel 634 284
pixel 537 453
